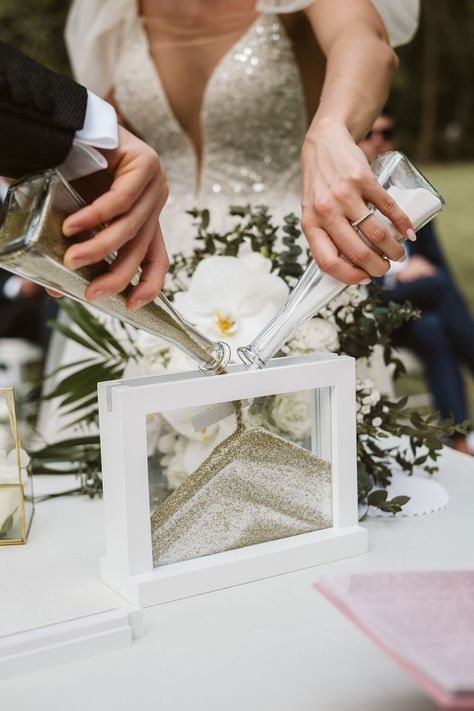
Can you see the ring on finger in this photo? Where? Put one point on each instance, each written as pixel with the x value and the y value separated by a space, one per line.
pixel 363 217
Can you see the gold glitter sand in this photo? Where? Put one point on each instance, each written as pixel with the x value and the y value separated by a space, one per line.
pixel 254 487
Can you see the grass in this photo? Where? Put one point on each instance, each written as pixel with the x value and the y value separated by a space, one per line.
pixel 456 231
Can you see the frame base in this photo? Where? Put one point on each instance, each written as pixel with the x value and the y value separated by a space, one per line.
pixel 223 570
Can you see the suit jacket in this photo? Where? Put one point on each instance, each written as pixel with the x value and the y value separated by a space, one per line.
pixel 40 112
pixel 427 246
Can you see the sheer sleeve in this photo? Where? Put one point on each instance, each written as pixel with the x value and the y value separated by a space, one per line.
pixel 400 17
pixel 95 29
pixel 94 32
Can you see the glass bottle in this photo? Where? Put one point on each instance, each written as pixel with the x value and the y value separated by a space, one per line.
pixel 32 245
pixel 315 289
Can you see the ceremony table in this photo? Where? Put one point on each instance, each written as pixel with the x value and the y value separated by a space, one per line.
pixel 271 645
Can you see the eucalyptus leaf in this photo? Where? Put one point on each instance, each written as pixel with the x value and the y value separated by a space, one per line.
pixel 8 523
pixel 361 326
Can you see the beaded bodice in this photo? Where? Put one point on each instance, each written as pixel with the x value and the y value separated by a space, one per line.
pixel 253 121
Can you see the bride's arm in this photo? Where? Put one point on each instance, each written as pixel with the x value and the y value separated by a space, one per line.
pixel 337 180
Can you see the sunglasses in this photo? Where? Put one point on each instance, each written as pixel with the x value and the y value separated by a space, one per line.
pixel 386 133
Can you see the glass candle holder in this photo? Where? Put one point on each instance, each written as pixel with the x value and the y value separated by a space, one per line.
pixel 316 289
pixel 33 246
pixel 16 484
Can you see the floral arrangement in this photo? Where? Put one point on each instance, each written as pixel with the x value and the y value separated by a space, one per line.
pixel 230 286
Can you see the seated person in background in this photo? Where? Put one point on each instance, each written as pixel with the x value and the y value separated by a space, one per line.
pixel 24 309
pixel 444 335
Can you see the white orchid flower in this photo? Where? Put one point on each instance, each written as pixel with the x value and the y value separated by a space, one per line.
pixel 198 444
pixel 231 299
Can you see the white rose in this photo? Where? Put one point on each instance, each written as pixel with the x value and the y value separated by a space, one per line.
pixel 316 334
pixel 377 421
pixel 366 385
pixel 346 314
pixel 375 397
pixel 355 294
pixel 292 414
pixel 350 297
pixel 154 426
pixel 166 443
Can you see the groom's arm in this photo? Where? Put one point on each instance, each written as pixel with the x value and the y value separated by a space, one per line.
pixel 40 112
pixel 48 120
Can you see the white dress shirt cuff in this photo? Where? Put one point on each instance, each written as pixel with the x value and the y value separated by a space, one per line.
pixel 100 130
pixel 12 287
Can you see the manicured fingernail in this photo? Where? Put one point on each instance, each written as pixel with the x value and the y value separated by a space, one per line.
pixel 411 234
pixel 403 258
pixel 97 295
pixel 137 304
pixel 76 262
pixel 366 282
pixel 70 230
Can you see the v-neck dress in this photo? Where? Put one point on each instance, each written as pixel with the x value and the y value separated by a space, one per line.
pixel 253 121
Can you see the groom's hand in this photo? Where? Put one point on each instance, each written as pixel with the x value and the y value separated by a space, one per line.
pixel 130 210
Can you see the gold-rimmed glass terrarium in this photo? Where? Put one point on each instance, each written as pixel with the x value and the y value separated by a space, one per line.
pixel 16 483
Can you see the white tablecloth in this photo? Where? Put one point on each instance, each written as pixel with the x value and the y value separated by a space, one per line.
pixel 272 645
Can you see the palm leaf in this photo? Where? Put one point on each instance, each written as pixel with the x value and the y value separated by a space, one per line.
pixel 75 363
pixel 90 402
pixel 73 336
pixel 84 382
pixel 93 328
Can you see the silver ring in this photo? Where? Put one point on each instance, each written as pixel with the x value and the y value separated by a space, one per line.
pixel 367 214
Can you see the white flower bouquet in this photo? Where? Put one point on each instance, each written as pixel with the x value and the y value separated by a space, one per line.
pixel 230 286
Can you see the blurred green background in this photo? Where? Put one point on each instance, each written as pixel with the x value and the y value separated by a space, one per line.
pixel 432 100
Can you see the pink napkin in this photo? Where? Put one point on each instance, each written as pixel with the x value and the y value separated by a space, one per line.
pixel 423 620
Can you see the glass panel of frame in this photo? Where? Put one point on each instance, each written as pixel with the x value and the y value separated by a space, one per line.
pixel 261 474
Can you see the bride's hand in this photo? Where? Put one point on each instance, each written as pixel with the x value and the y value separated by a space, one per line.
pixel 337 185
pixel 130 209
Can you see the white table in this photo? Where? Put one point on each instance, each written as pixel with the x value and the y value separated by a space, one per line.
pixel 273 645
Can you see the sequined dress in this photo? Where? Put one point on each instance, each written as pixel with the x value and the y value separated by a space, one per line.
pixel 253 121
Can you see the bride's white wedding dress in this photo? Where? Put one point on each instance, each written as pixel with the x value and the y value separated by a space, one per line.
pixel 253 114
pixel 253 121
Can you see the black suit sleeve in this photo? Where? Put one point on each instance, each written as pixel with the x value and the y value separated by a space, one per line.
pixel 40 112
pixel 428 246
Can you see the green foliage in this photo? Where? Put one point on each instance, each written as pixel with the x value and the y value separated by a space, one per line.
pixel 8 524
pixel 362 324
pixel 77 390
pixel 372 322
pixel 432 92
pixel 379 499
pixel 79 455
pixel 399 437
pixel 253 227
pixel 36 27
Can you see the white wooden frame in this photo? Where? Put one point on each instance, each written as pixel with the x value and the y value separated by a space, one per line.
pixel 127 566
